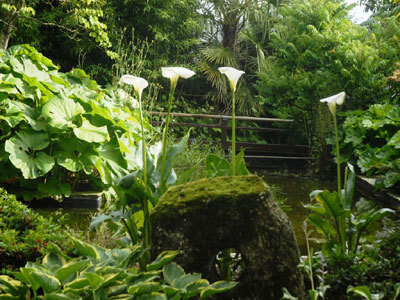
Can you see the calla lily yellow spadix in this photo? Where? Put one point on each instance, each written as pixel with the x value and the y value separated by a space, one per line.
pixel 334 100
pixel 139 83
pixel 232 74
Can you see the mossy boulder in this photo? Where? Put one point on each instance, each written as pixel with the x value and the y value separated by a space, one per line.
pixel 206 216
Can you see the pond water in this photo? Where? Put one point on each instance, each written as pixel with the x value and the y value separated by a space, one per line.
pixel 295 189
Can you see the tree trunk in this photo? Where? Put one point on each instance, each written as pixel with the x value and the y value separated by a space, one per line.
pixel 8 25
pixel 5 36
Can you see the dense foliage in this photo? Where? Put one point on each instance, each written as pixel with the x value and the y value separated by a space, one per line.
pixel 99 273
pixel 376 267
pixel 97 35
pixel 319 52
pixel 24 234
pixel 371 138
pixel 57 128
pixel 52 22
pixel 61 131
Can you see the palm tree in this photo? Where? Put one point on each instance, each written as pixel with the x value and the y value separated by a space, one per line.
pixel 232 39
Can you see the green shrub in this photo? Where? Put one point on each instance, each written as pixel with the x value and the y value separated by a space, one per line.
pixel 24 234
pixel 371 138
pixel 318 52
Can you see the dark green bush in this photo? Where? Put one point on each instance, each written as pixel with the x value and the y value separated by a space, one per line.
pixel 24 234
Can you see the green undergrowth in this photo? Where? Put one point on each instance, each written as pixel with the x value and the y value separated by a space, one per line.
pixel 377 266
pixel 24 234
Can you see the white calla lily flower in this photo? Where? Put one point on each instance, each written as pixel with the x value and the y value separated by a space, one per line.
pixel 139 83
pixel 232 74
pixel 334 100
pixel 173 73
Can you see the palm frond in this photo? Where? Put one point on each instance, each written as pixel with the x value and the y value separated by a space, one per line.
pixel 220 56
pixel 214 77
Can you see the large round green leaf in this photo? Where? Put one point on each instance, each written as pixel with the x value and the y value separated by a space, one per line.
pixel 30 140
pixel 26 67
pixel 92 134
pixel 23 149
pixel 13 115
pixel 111 164
pixel 75 155
pixel 25 112
pixel 61 112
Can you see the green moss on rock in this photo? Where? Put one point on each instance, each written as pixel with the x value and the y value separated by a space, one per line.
pixel 205 216
pixel 222 189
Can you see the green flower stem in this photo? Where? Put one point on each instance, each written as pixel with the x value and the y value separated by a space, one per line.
pixel 146 214
pixel 339 180
pixel 341 220
pixel 233 135
pixel 144 156
pixel 164 143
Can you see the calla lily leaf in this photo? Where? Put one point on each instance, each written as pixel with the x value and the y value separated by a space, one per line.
pixel 217 166
pixel 171 153
pixel 62 112
pixel 92 134
pixel 330 201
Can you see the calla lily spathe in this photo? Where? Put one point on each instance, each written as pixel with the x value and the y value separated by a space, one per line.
pixel 139 83
pixel 232 74
pixel 334 100
pixel 173 73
